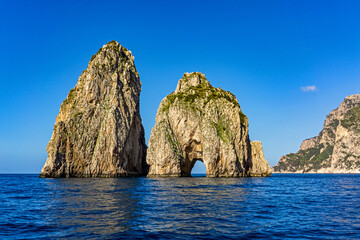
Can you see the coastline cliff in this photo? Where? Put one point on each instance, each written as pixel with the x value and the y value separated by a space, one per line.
pixel 337 147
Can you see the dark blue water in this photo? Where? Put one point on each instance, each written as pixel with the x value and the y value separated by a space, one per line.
pixel 280 207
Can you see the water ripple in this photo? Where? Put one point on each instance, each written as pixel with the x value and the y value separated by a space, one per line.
pixel 280 207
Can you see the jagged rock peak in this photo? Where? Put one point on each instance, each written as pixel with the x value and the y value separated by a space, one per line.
pixel 336 148
pixel 191 80
pixel 200 122
pixel 115 50
pixel 98 131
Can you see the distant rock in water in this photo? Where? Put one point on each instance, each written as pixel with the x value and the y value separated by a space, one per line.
pixel 335 150
pixel 200 122
pixel 98 132
pixel 259 165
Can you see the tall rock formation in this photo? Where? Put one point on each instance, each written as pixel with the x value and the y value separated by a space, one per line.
pixel 259 165
pixel 200 122
pixel 98 132
pixel 335 150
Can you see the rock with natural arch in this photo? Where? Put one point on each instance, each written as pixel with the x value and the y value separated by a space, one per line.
pixel 201 122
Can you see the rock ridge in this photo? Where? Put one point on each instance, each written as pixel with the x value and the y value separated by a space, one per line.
pixel 337 147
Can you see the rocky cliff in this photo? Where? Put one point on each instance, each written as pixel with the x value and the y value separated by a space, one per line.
pixel 200 122
pixel 98 131
pixel 336 149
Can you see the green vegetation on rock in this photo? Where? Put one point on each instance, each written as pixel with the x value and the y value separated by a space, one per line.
pixel 98 132
pixel 70 96
pixel 319 160
pixel 352 118
pixel 112 45
pixel 222 131
pixel 200 122
pixel 309 159
pixel 203 91
pixel 94 56
pixel 243 118
pixel 175 145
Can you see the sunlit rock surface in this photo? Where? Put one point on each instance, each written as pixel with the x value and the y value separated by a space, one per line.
pixel 201 122
pixel 98 131
pixel 337 147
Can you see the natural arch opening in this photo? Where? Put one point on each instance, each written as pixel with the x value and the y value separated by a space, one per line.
pixel 198 168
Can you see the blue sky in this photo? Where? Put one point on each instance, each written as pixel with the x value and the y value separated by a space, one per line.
pixel 265 52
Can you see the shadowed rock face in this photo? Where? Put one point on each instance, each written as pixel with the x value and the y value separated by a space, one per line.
pixel 98 131
pixel 200 122
pixel 335 150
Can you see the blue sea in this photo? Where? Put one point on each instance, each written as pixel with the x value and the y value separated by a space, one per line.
pixel 283 206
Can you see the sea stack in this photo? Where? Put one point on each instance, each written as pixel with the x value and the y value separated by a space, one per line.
pixel 337 147
pixel 201 122
pixel 98 131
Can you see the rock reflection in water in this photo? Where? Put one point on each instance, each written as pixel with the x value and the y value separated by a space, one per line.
pixel 112 207
pixel 282 206
pixel 96 206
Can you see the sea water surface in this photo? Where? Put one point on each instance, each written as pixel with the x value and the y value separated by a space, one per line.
pixel 283 206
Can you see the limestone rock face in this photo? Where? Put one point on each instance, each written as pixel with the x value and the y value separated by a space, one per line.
pixel 98 131
pixel 200 122
pixel 335 150
pixel 260 167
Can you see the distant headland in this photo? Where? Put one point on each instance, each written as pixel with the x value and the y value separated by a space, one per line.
pixel 336 148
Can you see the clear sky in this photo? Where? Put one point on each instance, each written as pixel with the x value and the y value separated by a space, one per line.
pixel 289 63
